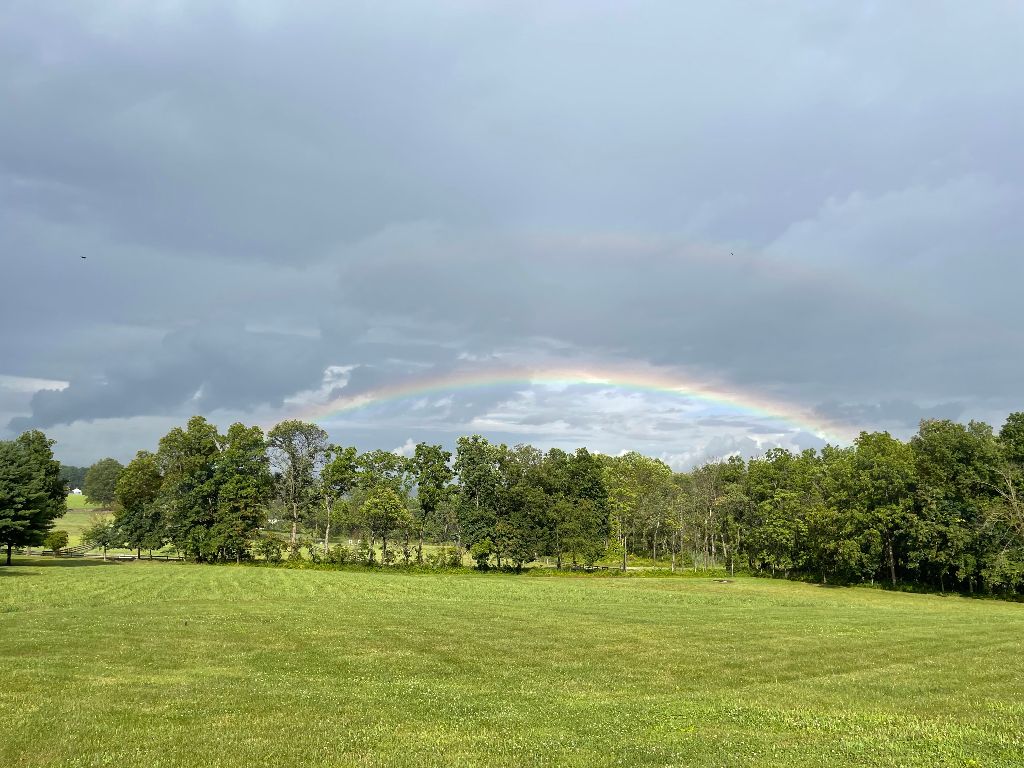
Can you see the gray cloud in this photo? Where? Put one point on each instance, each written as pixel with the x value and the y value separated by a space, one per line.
pixel 815 204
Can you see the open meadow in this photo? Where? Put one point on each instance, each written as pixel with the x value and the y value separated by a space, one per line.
pixel 175 664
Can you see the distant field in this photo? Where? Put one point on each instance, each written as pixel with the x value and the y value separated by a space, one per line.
pixel 76 520
pixel 173 665
pixel 78 501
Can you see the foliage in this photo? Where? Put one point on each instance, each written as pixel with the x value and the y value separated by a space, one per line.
pixel 269 548
pixel 56 540
pixel 481 552
pixel 103 533
pixel 944 510
pixel 383 512
pixel 138 514
pixel 297 451
pixel 32 495
pixel 72 476
pixel 101 481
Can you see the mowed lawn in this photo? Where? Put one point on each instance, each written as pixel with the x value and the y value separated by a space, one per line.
pixel 171 664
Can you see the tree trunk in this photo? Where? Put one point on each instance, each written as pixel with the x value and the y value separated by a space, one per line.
pixel 138 553
pixel 623 553
pixel 9 546
pixel 104 551
pixel 419 549
pixel 295 525
pixel 327 530
pixel 892 563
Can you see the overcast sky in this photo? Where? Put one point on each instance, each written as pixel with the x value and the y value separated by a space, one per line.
pixel 814 204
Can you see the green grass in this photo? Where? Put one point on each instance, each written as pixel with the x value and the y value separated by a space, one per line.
pixel 75 521
pixel 79 516
pixel 173 664
pixel 78 501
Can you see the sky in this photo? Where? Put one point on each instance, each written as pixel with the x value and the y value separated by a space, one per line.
pixel 686 229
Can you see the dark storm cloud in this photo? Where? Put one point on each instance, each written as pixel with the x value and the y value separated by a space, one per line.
pixel 210 368
pixel 899 414
pixel 816 203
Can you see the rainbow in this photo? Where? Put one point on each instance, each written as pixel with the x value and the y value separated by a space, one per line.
pixel 631 380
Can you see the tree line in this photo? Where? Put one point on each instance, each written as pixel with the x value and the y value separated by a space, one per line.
pixel 943 510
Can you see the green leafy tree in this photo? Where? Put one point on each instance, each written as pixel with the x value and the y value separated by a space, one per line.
pixel 298 451
pixel 137 510
pixel 639 487
pixel 101 481
pixel 431 465
pixel 955 467
pixel 189 493
pixel 32 494
pixel 1003 531
pixel 476 464
pixel 104 533
pixel 339 477
pixel 577 516
pixel 782 492
pixel 882 495
pixel 378 467
pixel 384 511
pixel 244 486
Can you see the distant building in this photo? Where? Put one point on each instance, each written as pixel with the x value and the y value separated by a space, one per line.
pixel 76 491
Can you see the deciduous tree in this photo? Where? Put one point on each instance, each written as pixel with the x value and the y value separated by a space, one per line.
pixel 101 481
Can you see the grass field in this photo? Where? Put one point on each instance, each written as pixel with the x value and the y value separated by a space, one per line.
pixel 79 515
pixel 75 521
pixel 173 664
pixel 78 501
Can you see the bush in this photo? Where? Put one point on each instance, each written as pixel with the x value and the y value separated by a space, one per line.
pixel 56 540
pixel 269 549
pixel 437 559
pixel 340 555
pixel 481 553
pixel 313 551
pixel 363 552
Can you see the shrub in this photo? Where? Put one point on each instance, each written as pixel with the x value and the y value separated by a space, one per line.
pixel 56 540
pixel 363 552
pixel 481 553
pixel 455 558
pixel 340 555
pixel 437 559
pixel 269 549
pixel 313 551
